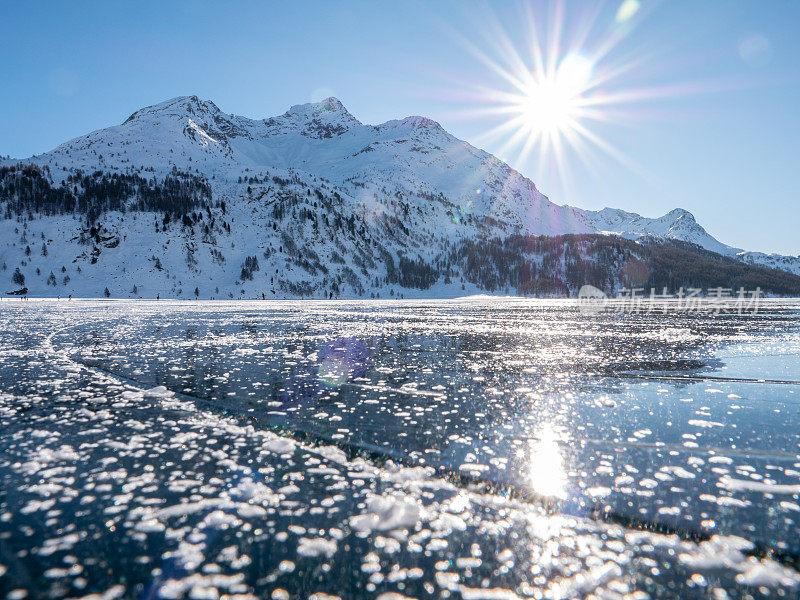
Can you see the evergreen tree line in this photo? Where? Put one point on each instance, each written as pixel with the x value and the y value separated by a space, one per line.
pixel 27 188
pixel 561 265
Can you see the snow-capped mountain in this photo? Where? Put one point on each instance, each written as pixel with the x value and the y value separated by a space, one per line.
pixel 412 156
pixel 680 224
pixel 183 199
pixel 677 224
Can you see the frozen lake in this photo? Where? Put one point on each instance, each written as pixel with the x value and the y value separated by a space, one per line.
pixel 476 449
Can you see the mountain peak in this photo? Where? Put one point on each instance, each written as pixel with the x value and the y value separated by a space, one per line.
pixel 420 122
pixel 326 119
pixel 414 122
pixel 680 213
pixel 180 105
pixel 331 103
pixel 328 107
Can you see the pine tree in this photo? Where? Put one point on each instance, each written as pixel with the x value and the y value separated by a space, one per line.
pixel 250 265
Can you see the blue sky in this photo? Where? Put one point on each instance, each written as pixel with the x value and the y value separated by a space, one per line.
pixel 709 122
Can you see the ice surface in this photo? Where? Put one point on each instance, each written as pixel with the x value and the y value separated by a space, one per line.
pixel 477 449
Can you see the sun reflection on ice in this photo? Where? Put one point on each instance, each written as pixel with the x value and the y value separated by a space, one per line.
pixel 546 471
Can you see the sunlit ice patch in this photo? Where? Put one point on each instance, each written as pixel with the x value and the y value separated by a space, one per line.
pixel 343 360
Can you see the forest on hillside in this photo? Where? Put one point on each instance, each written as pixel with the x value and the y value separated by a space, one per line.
pixel 28 189
pixel 561 265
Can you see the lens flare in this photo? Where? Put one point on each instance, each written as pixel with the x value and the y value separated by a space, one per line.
pixel 626 10
pixel 342 361
pixel 755 50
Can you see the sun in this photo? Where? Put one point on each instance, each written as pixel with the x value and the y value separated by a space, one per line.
pixel 551 103
pixel 546 108
pixel 557 82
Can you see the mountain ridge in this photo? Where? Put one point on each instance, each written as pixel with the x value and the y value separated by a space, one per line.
pixel 402 190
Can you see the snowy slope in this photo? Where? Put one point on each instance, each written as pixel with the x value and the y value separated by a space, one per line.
pixel 790 264
pixel 327 205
